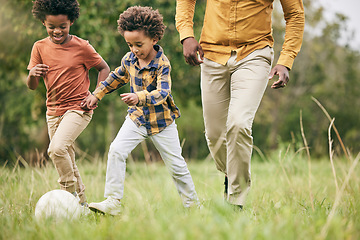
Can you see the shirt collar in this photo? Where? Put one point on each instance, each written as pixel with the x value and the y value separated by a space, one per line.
pixel 153 63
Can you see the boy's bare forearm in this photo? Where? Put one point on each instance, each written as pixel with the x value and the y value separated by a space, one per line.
pixel 32 82
pixel 103 74
pixel 35 73
pixel 104 71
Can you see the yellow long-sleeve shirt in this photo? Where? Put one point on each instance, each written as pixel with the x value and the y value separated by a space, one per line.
pixel 242 26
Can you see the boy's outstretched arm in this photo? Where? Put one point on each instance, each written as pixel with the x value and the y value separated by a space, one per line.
pixel 112 81
pixel 35 73
pixel 90 102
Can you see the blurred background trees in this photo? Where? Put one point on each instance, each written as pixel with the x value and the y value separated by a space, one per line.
pixel 324 69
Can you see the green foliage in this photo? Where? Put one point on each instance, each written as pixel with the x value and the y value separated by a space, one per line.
pixel 17 35
pixel 324 69
pixel 278 207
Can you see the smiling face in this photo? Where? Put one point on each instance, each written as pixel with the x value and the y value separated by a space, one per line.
pixel 58 27
pixel 141 45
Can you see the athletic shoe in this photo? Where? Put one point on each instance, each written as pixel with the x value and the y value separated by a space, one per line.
pixel 109 206
pixel 226 187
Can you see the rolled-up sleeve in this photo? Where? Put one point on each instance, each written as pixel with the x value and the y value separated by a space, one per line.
pixel 116 79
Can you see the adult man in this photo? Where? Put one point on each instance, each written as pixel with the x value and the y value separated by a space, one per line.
pixel 235 53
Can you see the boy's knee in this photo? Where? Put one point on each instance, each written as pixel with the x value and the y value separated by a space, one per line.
pixel 56 150
pixel 179 169
pixel 116 153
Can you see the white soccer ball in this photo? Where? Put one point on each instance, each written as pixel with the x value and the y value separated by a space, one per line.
pixel 58 205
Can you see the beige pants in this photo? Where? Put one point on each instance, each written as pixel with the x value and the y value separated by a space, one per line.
pixel 63 131
pixel 231 95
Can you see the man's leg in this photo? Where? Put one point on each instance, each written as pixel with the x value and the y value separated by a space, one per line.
pixel 215 93
pixel 248 83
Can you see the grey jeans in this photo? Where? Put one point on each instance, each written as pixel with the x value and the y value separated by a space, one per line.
pixel 166 142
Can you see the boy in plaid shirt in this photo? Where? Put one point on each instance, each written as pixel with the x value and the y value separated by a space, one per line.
pixel 151 111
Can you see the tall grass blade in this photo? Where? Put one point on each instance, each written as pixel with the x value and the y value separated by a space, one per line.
pixel 339 195
pixel 335 129
pixel 309 160
pixel 282 165
pixel 331 153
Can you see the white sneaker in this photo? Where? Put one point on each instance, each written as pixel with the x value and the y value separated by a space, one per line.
pixel 109 206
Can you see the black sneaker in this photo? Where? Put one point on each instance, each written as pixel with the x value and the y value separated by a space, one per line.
pixel 237 207
pixel 226 186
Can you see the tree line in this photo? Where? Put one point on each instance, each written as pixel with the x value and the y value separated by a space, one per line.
pixel 324 70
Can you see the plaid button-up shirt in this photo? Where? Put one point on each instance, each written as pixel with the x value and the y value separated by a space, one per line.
pixel 156 108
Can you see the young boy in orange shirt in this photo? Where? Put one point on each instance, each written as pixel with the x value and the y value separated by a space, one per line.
pixel 63 61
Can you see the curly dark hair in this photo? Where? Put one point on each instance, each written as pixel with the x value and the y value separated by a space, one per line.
pixel 142 18
pixel 70 8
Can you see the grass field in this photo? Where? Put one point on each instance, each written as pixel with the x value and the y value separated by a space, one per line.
pixel 284 203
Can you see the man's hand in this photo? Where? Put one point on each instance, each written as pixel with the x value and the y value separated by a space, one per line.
pixel 89 103
pixel 283 74
pixel 191 49
pixel 130 99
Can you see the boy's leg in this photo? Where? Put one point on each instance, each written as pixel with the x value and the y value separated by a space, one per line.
pixel 128 137
pixel 63 132
pixel 168 145
pixel 80 187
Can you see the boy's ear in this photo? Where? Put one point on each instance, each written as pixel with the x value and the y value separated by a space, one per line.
pixel 43 22
pixel 155 40
pixel 71 23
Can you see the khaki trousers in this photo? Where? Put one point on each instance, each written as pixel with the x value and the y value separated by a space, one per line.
pixel 63 131
pixel 231 95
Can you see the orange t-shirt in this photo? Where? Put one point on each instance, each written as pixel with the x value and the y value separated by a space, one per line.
pixel 67 81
